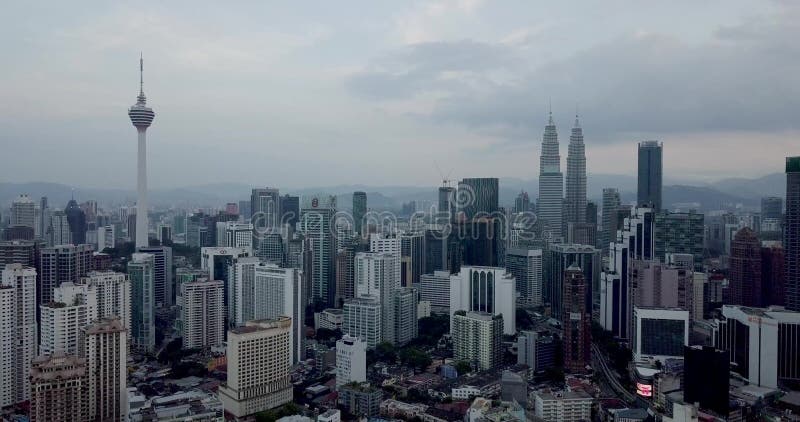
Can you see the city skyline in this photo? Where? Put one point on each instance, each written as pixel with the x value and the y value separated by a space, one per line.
pixel 392 88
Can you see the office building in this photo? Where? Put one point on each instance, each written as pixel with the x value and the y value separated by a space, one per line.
pixel 412 258
pixel 290 210
pixel 329 319
pixel 485 289
pixel 18 345
pixel 576 321
pixel 447 201
pixel 265 208
pixel 202 314
pixel 762 344
pixel 236 235
pixel 142 117
pixel 351 360
pixel 537 350
pixel 76 219
pixel 106 237
pixel 23 212
pixel 316 219
pixel 744 283
pixel 60 233
pixel 435 289
pixel 162 274
pixel 58 389
pixel 105 350
pixel 73 307
pixel 390 244
pixel 345 274
pixel 659 333
pixel 362 319
pixel 221 265
pixel 279 292
pixel 442 250
pixel 477 338
pixel 650 174
pixel 60 264
pixel 772 276
pixel 657 285
pixel 478 197
pixel 526 267
pixel 197 230
pixel 406 327
pixel 576 177
pixel 560 258
pixel 706 378
pixel 113 292
pixel 772 207
pixel 551 183
pixel 359 210
pixel 791 237
pixel 141 272
pixel 164 233
pixel 679 233
pixel 259 365
pixel 522 203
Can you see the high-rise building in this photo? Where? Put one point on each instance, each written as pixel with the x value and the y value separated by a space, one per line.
pixel 522 203
pixel 477 338
pixel 73 307
pixel 105 350
pixel 576 321
pixel 681 233
pixel 265 208
pixel 745 269
pixel 412 258
pixel 389 244
pixel 537 350
pixel 405 315
pixel 23 252
pixel 706 378
pixel 526 267
pixel 290 210
pixel 59 229
pixel 659 333
pixel 316 223
pixel 197 227
pixel 162 275
pixel 113 291
pixel 76 219
pixel 106 237
pixel 259 365
pixel 221 264
pixel 650 174
pixel 661 285
pixel 611 201
pixel 351 360
pixel 359 210
pixel 202 314
pixel 375 277
pixel 772 276
pixel 141 271
pixel 435 289
pixel 242 274
pixel 235 235
pixel 559 258
pixel 362 319
pixel 576 177
pixel 278 292
pixel 447 201
pixel 141 117
pixel 791 236
pixel 58 389
pixel 485 289
pixel 478 196
pixel 345 276
pixel 23 212
pixel 551 183
pixel 18 345
pixel 762 344
pixel 60 264
pixel 772 207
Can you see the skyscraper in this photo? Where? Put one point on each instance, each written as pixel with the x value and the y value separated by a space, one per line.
pixel 290 210
pixel 526 267
pixel 522 203
pixel 478 195
pixel 141 117
pixel 23 212
pixel 60 264
pixel 551 182
pixel 58 389
pixel 76 219
pixel 485 289
pixel 316 222
pixel 18 344
pixel 771 207
pixel 707 378
pixel 141 270
pixel 611 201
pixel 359 210
pixel 791 237
pixel 265 208
pixel 375 278
pixel 745 269
pixel 576 319
pixel 447 201
pixel 162 281
pixel 576 176
pixel 650 174
pixel 73 307
pixel 202 314
pixel 105 349
pixel 477 339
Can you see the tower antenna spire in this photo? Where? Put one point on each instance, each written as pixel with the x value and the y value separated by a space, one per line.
pixel 141 74
pixel 577 123
pixel 550 108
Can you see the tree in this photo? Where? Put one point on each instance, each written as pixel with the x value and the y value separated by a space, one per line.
pixel 384 352
pixel 415 358
pixel 463 367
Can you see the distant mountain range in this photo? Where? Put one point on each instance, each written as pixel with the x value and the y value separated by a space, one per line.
pixel 704 196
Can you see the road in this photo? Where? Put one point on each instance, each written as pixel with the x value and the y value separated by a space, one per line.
pixel 611 378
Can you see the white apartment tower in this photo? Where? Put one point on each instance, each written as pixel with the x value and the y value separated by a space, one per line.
pixel 113 292
pixel 105 348
pixel 259 364
pixel 23 212
pixel 18 344
pixel 376 276
pixel 362 319
pixel 202 314
pixel 278 292
pixel 73 307
pixel 351 360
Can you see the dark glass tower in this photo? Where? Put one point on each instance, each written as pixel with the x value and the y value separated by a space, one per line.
pixel 359 209
pixel 745 269
pixel 478 195
pixel 77 222
pixel 650 174
pixel 706 378
pixel 791 235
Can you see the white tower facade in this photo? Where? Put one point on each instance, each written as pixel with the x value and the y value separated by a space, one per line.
pixel 141 117
pixel 351 360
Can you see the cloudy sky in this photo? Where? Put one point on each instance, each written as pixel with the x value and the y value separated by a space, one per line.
pixel 295 94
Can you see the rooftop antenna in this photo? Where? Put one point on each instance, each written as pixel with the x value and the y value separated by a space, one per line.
pixel 445 177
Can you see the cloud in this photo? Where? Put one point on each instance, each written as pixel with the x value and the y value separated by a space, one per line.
pixel 742 79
